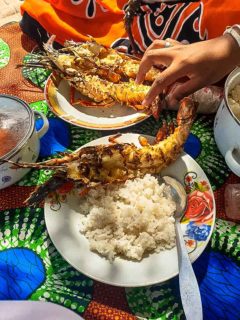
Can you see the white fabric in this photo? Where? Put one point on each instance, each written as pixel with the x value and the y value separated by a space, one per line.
pixel 9 11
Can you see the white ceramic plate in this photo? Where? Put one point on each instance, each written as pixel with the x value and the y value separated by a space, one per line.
pixel 37 310
pixel 57 95
pixel 197 226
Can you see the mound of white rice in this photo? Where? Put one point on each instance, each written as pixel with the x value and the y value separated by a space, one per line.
pixel 234 101
pixel 129 220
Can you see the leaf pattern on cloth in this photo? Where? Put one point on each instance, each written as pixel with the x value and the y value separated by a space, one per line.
pixel 226 239
pixel 37 76
pixel 4 54
pixel 155 302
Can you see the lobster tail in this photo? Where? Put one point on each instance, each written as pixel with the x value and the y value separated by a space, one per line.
pixel 42 191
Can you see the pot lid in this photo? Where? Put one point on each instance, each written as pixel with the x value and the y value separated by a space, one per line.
pixel 16 124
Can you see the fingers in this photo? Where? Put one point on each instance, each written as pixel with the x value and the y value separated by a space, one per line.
pixel 156 44
pixel 153 57
pixel 166 78
pixel 160 44
pixel 181 90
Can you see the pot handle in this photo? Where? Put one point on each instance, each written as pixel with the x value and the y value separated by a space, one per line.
pixel 232 163
pixel 41 132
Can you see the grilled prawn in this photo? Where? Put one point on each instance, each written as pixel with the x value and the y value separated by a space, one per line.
pixel 103 91
pixel 92 58
pixel 106 62
pixel 90 167
pixel 96 87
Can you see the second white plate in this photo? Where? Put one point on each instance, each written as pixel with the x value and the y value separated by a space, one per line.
pixel 197 226
pixel 57 95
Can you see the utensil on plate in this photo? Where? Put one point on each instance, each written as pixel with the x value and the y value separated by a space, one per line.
pixel 189 289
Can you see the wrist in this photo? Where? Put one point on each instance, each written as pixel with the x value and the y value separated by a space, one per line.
pixel 232 49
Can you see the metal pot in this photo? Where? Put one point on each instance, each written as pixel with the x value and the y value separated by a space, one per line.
pixel 18 120
pixel 227 126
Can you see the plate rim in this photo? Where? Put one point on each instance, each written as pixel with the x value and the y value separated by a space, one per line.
pixel 50 86
pixel 126 285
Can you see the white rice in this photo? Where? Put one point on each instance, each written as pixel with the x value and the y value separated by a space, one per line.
pixel 129 220
pixel 234 101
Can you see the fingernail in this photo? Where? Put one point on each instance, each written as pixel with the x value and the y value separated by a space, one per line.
pixel 171 101
pixel 145 102
pixel 137 80
pixel 168 98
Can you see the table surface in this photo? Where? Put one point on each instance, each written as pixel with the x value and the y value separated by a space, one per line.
pixel 32 269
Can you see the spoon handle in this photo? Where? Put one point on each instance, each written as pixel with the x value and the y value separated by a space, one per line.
pixel 189 289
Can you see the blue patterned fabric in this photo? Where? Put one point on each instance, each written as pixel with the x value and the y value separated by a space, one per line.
pixel 57 139
pixel 219 278
pixel 21 273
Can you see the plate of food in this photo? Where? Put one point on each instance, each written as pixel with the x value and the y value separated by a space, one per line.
pixel 124 235
pixel 66 102
pixel 93 86
pixel 110 217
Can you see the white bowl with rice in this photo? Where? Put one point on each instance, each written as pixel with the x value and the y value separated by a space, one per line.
pixel 124 235
pixel 227 122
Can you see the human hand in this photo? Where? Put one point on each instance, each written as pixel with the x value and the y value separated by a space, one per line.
pixel 199 64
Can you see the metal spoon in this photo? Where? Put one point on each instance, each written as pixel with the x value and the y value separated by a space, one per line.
pixel 189 289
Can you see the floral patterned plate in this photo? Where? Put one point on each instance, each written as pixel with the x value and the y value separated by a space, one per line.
pixel 197 226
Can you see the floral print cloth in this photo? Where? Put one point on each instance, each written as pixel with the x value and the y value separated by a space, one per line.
pixel 32 269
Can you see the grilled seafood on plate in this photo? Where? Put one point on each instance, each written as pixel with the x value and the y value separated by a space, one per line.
pixel 93 166
pixel 94 55
pixel 103 75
